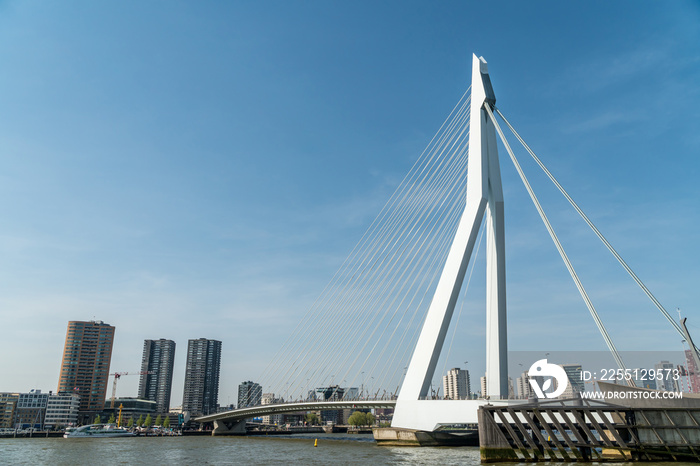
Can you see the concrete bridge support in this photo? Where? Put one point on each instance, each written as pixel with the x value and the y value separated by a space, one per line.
pixel 222 427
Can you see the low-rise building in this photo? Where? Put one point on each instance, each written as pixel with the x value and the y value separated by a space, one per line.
pixel 131 408
pixel 31 409
pixel 8 403
pixel 62 410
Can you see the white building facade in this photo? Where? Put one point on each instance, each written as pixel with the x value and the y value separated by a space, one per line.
pixel 62 410
pixel 455 385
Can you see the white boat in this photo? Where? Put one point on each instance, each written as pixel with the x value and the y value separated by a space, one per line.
pixel 99 430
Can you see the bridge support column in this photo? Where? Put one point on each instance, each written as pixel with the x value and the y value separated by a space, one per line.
pixel 484 197
pixel 229 427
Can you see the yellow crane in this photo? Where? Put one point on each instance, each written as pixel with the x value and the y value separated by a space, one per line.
pixel 117 376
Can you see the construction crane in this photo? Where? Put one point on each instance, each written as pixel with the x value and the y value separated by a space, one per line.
pixel 117 376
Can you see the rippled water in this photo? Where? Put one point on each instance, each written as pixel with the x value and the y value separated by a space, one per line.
pixel 335 449
pixel 332 449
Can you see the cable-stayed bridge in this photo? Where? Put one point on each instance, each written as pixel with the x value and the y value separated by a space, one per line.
pixel 375 335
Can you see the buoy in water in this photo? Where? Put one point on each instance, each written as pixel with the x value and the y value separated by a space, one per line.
pixel 315 442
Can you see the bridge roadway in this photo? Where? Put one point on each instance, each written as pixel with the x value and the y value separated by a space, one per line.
pixel 233 422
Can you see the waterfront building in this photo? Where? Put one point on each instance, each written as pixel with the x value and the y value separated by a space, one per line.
pixel 667 382
pixel 455 385
pixel 62 410
pixel 640 378
pixel 31 409
pixel 183 416
pixel 201 393
pixel 271 419
pixel 332 416
pixel 693 372
pixel 249 394
pixel 524 388
pixel 131 408
pixel 576 384
pixel 85 365
pixel 8 404
pixel 511 387
pixel 159 359
pixel 352 393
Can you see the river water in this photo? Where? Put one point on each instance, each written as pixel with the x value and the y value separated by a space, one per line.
pixel 333 449
pixel 336 449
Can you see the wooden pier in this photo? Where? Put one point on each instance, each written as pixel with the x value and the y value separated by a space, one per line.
pixel 586 430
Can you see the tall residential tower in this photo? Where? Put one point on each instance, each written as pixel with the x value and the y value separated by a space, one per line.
pixel 85 366
pixel 202 377
pixel 158 358
pixel 455 385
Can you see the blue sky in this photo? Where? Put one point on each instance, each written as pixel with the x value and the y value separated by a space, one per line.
pixel 185 170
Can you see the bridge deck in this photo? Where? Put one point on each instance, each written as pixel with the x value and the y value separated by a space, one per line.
pixel 265 410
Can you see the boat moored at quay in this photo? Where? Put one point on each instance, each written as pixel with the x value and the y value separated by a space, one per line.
pixel 98 431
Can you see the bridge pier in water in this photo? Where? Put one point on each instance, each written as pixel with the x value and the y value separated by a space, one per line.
pixel 393 436
pixel 229 427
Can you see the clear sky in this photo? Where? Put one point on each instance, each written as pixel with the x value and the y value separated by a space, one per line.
pixel 201 169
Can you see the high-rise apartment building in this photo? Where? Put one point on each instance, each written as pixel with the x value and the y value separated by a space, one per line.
pixel 158 359
pixel 455 385
pixel 524 387
pixel 201 393
pixel 249 394
pixel 85 366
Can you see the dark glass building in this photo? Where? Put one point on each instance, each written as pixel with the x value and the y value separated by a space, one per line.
pixel 202 377
pixel 249 394
pixel 158 358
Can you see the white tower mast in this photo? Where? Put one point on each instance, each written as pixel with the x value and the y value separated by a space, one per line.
pixel 484 196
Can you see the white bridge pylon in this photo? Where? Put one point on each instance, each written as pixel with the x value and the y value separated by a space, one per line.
pixel 484 197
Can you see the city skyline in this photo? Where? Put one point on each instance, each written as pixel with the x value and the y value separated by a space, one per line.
pixel 204 171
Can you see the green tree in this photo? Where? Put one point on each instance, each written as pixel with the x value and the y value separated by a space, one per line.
pixel 97 419
pixel 159 420
pixel 370 419
pixel 139 422
pixel 357 418
pixel 149 421
pixel 111 419
pixel 166 422
pixel 312 419
pixel 130 423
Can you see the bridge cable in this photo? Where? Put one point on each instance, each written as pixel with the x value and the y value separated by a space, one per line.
pixel 417 246
pixel 557 243
pixel 330 321
pixel 364 325
pixel 393 200
pixel 441 227
pixel 595 230
pixel 374 273
pixel 308 317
